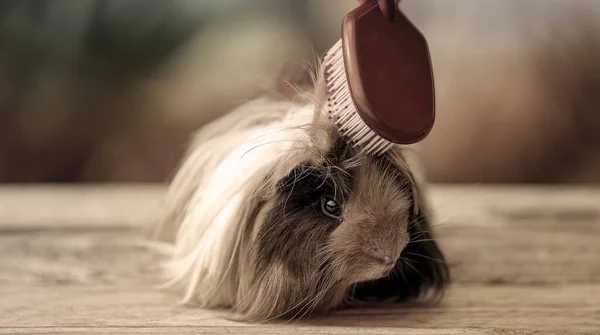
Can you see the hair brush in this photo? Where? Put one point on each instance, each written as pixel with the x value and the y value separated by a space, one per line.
pixel 379 79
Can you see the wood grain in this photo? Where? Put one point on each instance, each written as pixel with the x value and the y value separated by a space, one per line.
pixel 524 260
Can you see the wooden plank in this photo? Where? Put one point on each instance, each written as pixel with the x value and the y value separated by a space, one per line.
pixel 511 204
pixel 27 207
pixel 562 308
pixel 524 260
pixel 119 205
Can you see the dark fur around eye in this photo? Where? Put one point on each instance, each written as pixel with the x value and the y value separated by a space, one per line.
pixel 307 184
pixel 296 221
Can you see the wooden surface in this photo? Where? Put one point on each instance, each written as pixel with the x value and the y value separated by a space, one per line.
pixel 525 261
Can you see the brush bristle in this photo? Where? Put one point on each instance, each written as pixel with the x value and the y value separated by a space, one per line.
pixel 341 109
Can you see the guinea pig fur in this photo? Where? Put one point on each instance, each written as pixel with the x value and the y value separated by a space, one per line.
pixel 272 214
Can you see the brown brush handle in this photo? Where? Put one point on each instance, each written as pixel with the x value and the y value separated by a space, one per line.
pixel 389 8
pixel 389 73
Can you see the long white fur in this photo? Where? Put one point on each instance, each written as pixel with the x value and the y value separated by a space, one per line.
pixel 211 198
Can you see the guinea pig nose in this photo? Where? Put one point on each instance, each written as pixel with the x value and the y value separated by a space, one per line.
pixel 384 259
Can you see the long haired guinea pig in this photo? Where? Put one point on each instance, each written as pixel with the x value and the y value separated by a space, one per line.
pixel 272 214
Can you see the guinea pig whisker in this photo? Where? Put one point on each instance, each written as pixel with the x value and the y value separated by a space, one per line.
pixel 428 230
pixel 399 272
pixel 421 240
pixel 421 217
pixel 426 257
pixel 414 269
pixel 418 234
pixel 415 238
pixel 418 220
pixel 409 262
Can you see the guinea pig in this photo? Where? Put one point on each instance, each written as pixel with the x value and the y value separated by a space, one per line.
pixel 273 214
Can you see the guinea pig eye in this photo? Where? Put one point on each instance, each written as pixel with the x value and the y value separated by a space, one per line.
pixel 331 208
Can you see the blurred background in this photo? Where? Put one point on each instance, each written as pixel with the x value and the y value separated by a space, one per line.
pixel 110 90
